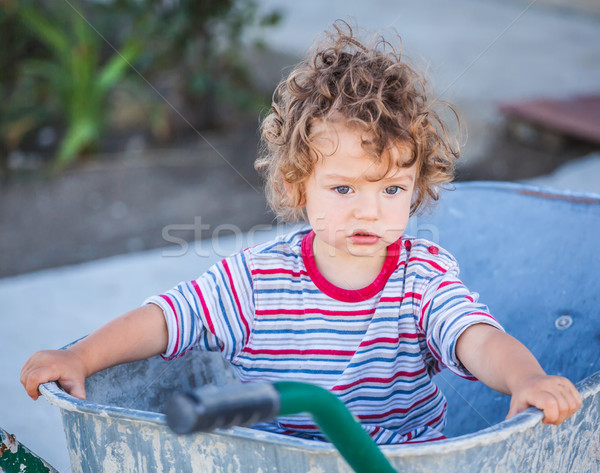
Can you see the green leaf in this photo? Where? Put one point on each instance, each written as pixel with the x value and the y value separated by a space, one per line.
pixel 51 35
pixel 80 135
pixel 115 69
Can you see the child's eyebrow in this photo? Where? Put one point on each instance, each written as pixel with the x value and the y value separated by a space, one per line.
pixel 409 177
pixel 341 177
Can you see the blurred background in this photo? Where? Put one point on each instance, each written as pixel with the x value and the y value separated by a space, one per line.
pixel 121 118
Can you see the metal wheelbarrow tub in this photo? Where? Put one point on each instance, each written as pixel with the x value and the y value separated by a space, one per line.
pixel 530 253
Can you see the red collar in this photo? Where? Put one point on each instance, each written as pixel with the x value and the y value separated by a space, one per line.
pixel 349 295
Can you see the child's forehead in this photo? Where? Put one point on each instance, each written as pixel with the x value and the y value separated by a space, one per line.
pixel 336 128
pixel 338 143
pixel 357 171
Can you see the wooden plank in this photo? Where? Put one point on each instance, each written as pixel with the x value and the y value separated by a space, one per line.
pixel 577 118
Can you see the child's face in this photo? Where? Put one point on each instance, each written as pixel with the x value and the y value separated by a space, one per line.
pixel 353 208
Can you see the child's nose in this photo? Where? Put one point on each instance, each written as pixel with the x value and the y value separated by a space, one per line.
pixel 367 207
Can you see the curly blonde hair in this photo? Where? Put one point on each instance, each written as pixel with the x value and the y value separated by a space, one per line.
pixel 372 88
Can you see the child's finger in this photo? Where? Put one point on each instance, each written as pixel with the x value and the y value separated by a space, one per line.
pixel 564 410
pixel 31 365
pixel 24 374
pixel 568 399
pixel 27 367
pixel 515 408
pixel 74 388
pixel 78 391
pixel 574 400
pixel 32 380
pixel 547 403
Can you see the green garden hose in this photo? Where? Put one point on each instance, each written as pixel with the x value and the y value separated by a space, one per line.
pixel 213 407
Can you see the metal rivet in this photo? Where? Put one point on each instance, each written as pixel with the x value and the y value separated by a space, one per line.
pixel 563 322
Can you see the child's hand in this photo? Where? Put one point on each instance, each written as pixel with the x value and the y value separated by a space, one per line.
pixel 554 395
pixel 506 365
pixel 138 334
pixel 54 365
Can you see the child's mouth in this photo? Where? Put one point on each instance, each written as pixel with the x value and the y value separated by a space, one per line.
pixel 364 238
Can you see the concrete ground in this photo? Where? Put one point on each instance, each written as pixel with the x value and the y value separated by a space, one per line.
pixel 478 53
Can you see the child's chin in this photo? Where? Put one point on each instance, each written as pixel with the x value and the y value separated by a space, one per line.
pixel 365 250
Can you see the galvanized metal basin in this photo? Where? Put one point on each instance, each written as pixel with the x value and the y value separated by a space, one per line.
pixel 531 254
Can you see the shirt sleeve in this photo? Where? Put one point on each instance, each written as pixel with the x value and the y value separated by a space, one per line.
pixel 214 312
pixel 447 309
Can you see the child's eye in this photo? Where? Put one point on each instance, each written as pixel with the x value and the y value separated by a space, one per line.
pixel 392 190
pixel 342 190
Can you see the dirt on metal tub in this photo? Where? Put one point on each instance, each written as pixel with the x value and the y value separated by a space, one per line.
pixel 533 256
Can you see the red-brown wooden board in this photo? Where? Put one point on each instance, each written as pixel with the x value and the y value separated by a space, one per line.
pixel 578 117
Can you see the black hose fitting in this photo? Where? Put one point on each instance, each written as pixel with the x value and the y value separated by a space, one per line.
pixel 219 407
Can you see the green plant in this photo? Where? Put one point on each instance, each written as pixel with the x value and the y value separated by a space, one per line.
pixel 76 79
pixel 61 69
pixel 205 42
pixel 18 96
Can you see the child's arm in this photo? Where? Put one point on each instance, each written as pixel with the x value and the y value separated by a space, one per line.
pixel 135 335
pixel 506 365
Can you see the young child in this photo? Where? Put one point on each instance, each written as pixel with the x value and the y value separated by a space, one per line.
pixel 350 303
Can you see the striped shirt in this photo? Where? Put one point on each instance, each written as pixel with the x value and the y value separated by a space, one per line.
pixel 271 313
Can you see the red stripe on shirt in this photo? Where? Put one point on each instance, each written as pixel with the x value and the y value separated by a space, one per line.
pixel 235 296
pixel 437 419
pixel 366 343
pixel 399 410
pixel 314 311
pixel 447 283
pixel 485 314
pixel 432 263
pixel 265 351
pixel 299 426
pixel 398 374
pixel 279 271
pixel 435 353
pixel 423 310
pixel 209 321
pixel 441 437
pixel 407 295
pixel 391 299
